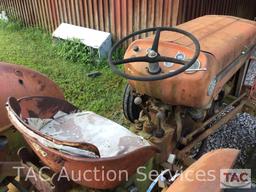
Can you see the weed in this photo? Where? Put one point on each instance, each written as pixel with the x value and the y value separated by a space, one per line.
pixel 75 51
pixel 11 26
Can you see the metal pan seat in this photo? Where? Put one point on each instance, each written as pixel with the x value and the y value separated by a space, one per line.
pixel 63 136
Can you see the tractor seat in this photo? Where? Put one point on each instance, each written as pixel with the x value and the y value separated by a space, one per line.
pixel 110 138
pixel 58 120
pixel 62 136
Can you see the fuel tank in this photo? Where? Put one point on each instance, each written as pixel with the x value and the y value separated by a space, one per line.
pixel 226 43
pixel 18 81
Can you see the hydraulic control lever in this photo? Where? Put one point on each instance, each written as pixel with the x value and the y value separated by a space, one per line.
pixel 138 101
pixel 160 118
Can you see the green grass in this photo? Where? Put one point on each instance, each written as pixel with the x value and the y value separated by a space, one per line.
pixel 35 49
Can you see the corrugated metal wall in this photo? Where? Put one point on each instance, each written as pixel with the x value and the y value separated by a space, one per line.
pixel 120 17
pixel 190 9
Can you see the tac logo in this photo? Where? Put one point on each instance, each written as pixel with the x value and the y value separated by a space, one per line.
pixel 235 178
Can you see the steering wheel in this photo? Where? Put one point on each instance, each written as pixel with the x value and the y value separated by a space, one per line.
pixel 153 57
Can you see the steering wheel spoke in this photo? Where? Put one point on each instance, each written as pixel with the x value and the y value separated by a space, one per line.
pixel 173 60
pixel 156 40
pixel 130 60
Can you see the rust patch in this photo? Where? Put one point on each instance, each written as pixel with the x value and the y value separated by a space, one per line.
pixel 18 81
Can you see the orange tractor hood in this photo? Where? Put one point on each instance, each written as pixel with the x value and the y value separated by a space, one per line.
pixel 226 43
